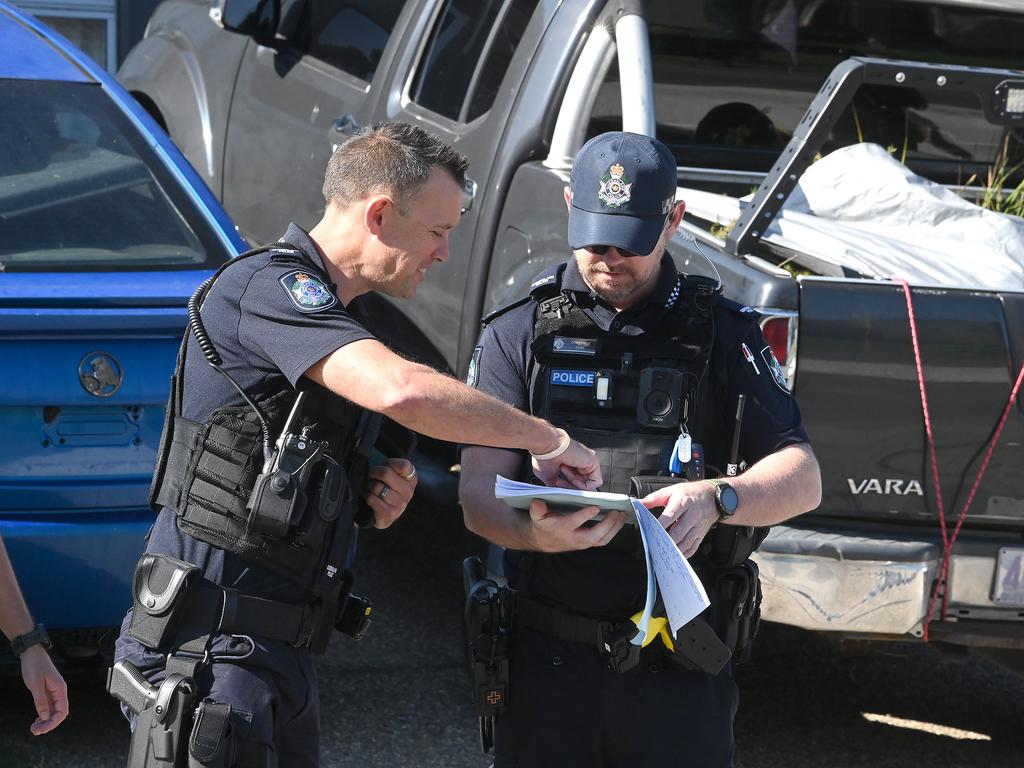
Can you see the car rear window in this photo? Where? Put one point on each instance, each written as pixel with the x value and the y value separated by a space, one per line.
pixel 733 79
pixel 82 190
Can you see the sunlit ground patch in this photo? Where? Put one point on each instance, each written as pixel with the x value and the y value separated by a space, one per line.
pixel 918 725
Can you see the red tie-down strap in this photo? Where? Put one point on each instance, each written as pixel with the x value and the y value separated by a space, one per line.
pixel 949 539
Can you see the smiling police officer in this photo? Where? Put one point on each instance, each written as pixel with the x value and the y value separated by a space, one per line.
pixel 647 366
pixel 264 465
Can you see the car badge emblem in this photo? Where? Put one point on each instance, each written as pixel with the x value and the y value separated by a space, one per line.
pixel 616 187
pixel 99 374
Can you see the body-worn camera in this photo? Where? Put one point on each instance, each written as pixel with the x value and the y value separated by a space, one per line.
pixel 660 397
pixel 279 493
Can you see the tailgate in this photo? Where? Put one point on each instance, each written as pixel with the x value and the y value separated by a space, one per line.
pixel 858 390
pixel 87 362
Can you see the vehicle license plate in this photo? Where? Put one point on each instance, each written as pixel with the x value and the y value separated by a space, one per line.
pixel 1009 586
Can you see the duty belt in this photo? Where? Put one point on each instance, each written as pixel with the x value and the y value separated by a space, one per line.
pixel 229 611
pixel 696 645
pixel 615 640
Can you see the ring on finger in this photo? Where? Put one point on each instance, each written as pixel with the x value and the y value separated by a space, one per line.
pixel 383 492
pixel 411 474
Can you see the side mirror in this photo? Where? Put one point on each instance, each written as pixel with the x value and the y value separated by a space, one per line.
pixel 256 18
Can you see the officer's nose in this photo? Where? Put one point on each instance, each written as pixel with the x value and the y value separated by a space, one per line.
pixel 441 254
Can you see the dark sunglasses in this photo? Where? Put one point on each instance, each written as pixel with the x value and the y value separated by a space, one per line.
pixel 601 250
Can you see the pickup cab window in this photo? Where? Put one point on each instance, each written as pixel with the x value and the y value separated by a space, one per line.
pixel 733 79
pixel 466 31
pixel 81 190
pixel 350 35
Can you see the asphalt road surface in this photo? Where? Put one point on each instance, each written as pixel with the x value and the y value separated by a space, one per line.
pixel 400 697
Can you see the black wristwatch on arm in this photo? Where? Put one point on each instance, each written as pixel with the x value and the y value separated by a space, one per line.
pixel 726 499
pixel 38 636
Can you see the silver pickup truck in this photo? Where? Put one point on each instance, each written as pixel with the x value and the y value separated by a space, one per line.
pixel 257 92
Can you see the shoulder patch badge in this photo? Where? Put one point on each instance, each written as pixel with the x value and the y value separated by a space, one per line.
pixel 775 369
pixel 307 292
pixel 473 376
pixel 616 187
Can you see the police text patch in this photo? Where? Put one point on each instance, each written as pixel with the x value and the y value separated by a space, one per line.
pixel 573 378
pixel 307 292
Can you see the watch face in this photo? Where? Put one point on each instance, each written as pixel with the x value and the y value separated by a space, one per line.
pixel 728 499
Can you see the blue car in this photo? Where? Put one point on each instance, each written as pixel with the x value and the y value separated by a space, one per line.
pixel 105 231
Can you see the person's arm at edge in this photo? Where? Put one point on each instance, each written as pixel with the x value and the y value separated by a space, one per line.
pixel 538 530
pixel 418 397
pixel 44 682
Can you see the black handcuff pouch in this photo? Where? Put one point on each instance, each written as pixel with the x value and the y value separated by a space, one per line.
pixel 159 591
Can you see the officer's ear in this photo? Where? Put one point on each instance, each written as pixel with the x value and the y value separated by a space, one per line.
pixel 676 216
pixel 377 211
pixel 567 193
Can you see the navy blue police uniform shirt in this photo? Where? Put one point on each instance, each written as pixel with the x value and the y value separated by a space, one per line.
pixel 610 583
pixel 267 340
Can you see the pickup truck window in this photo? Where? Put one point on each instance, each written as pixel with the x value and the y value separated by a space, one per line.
pixel 350 36
pixel 81 190
pixel 466 31
pixel 732 80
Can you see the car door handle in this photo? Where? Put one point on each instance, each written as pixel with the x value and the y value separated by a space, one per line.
pixel 468 194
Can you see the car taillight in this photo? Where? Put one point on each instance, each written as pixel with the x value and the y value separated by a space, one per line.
pixel 776 333
pixel 779 327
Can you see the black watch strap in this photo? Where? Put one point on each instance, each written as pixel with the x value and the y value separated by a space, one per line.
pixel 38 636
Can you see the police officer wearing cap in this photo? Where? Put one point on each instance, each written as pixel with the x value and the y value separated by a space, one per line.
pixel 647 366
pixel 267 462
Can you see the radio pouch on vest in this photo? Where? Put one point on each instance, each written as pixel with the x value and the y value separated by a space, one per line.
pixel 158 591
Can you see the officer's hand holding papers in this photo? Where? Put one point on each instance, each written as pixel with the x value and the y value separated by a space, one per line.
pixel 681 590
pixel 569 465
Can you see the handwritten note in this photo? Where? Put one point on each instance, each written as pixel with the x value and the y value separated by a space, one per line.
pixel 681 591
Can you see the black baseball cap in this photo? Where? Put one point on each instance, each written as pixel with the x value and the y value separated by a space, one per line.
pixel 623 187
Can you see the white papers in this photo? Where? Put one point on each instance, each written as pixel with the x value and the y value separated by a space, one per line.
pixel 652 581
pixel 519 495
pixel 681 590
pixel 667 570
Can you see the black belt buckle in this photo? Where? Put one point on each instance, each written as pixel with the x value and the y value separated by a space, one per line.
pixel 617 645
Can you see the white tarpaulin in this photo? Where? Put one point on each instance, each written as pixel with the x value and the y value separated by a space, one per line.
pixel 861 209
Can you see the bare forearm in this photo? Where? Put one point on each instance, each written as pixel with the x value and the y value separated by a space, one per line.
pixel 488 517
pixel 14 616
pixel 420 398
pixel 442 407
pixel 780 486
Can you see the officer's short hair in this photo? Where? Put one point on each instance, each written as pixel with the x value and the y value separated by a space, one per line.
pixel 388 158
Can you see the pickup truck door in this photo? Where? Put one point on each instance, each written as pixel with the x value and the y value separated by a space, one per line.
pixel 294 102
pixel 460 70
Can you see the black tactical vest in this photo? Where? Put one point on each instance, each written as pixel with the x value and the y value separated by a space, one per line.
pixel 206 471
pixel 626 397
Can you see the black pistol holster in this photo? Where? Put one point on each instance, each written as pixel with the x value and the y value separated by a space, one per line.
pixel 174 731
pixel 489 616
